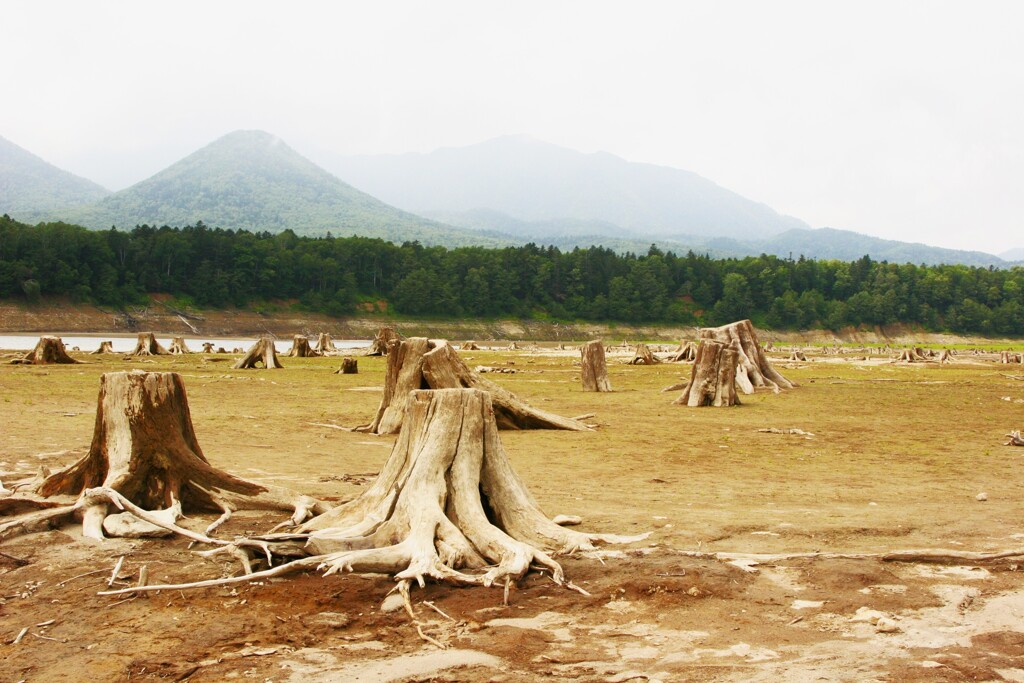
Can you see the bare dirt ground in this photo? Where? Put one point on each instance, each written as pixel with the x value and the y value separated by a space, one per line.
pixel 894 459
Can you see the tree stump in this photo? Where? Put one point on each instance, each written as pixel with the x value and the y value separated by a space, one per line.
pixel 946 356
pixel 105 347
pixel 48 350
pixel 713 378
pixel 643 356
pixel 684 354
pixel 348 366
pixel 1015 438
pixel 324 344
pixel 207 347
pixel 145 448
pixel 754 368
pixel 594 370
pixel 262 351
pixel 447 504
pixel 910 356
pixel 178 346
pixel 382 341
pixel 513 347
pixel 469 346
pixel 1010 357
pixel 419 363
pixel 147 345
pixel 798 355
pixel 301 348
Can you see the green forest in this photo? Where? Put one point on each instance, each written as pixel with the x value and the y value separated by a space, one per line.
pixel 215 268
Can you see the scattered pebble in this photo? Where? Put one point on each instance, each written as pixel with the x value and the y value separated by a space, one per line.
pixel 981 496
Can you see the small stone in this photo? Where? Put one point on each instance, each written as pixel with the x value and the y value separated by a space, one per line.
pixel 886 625
pixel 329 619
pixel 392 603
pixel 981 496
pixel 693 592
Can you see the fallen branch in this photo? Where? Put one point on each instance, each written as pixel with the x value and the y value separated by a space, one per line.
pixel 747 560
pixel 791 430
pixel 1015 439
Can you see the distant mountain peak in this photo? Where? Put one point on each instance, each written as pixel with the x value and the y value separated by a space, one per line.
pixel 30 186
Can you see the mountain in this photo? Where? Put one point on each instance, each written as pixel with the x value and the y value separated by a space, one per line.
pixel 1016 254
pixel 543 185
pixel 30 186
pixel 252 180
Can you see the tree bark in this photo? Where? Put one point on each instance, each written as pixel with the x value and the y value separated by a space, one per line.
pixel 178 346
pixel 382 341
pixel 643 356
pixel 147 345
pixel 595 369
pixel 262 351
pixel 48 350
pixel 420 363
pixel 145 448
pixel 752 360
pixel 301 348
pixel 447 504
pixel 713 378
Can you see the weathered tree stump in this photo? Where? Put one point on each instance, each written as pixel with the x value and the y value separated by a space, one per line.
pixel 105 347
pixel 1015 438
pixel 48 350
pixel 594 372
pixel 910 356
pixel 147 345
pixel 301 348
pixel 1010 357
pixel 382 341
pixel 262 351
pixel 753 370
pixel 469 346
pixel 324 344
pixel 208 347
pixel 686 353
pixel 643 356
pixel 144 447
pixel 419 363
pixel 798 355
pixel 713 378
pixel 447 504
pixel 348 366
pixel 178 346
pixel 513 347
pixel 946 356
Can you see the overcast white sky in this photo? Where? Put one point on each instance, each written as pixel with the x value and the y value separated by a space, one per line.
pixel 898 119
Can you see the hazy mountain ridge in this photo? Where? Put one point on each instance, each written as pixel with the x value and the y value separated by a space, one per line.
pixel 31 186
pixel 534 181
pixel 252 180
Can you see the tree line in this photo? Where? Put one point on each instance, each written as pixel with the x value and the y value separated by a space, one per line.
pixel 215 268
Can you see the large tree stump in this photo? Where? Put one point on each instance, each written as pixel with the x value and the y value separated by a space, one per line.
pixel 382 341
pixel 147 345
pixel 643 356
pixel 594 370
pixel 753 367
pixel 145 448
pixel 419 363
pixel 349 366
pixel 713 378
pixel 48 350
pixel 447 504
pixel 324 344
pixel 105 347
pixel 262 351
pixel 301 348
pixel 178 347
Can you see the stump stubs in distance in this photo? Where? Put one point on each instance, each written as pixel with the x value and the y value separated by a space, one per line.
pixel 207 347
pixel 147 345
pixel 105 347
pixel 48 350
pixel 178 347
pixel 301 348
pixel 713 377
pixel 446 505
pixel 349 366
pixel 382 341
pixel 145 448
pixel 420 363
pixel 753 369
pixel 594 370
pixel 262 351
pixel 686 353
pixel 643 356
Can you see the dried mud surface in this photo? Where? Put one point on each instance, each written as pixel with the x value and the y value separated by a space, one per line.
pixel 894 460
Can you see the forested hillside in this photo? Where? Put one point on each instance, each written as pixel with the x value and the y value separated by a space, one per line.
pixel 217 268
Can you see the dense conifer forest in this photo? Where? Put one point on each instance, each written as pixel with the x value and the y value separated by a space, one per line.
pixel 213 268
